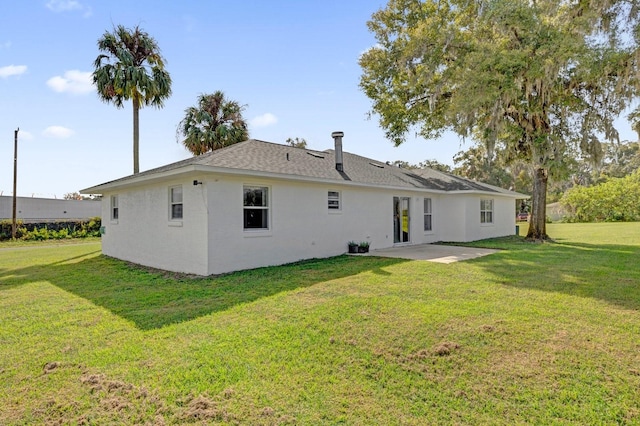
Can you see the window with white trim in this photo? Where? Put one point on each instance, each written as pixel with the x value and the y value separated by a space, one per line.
pixel 114 207
pixel 256 207
pixel 428 215
pixel 175 202
pixel 486 211
pixel 333 199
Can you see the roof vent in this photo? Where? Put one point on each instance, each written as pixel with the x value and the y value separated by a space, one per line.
pixel 337 138
pixel 314 154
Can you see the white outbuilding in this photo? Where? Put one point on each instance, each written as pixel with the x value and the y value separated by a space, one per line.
pixel 257 203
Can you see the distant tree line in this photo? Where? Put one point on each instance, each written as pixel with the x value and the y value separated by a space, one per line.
pixel 606 190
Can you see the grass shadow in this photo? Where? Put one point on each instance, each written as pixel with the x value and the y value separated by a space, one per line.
pixel 608 272
pixel 152 299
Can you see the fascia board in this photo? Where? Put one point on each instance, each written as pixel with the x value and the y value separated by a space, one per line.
pixel 197 169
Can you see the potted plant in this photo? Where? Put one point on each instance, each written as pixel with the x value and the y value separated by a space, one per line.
pixel 353 247
pixel 363 247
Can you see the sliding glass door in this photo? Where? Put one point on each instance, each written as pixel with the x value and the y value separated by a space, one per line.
pixel 401 219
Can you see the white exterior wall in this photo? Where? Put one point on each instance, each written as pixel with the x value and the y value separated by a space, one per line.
pixel 144 234
pixel 302 226
pixel 211 240
pixel 454 218
pixel 462 220
pixel 461 217
pixel 417 234
pixel 504 218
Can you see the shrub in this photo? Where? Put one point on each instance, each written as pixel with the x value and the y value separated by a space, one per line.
pixel 616 200
pixel 5 229
pixel 52 230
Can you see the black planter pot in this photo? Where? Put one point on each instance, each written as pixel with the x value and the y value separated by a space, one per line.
pixel 353 249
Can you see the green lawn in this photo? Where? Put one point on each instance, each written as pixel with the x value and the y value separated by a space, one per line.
pixel 537 333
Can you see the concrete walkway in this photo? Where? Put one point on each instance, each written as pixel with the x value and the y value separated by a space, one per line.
pixel 433 253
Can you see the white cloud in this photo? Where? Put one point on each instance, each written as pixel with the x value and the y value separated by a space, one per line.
pixel 57 132
pixel 375 46
pixel 74 81
pixel 264 120
pixel 10 70
pixel 68 5
pixel 24 135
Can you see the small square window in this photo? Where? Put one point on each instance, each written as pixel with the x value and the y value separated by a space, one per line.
pixel 333 198
pixel 175 202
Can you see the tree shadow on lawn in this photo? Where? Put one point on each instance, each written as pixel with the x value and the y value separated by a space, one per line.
pixel 152 299
pixel 606 272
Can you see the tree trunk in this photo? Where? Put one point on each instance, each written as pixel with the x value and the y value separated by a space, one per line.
pixel 537 221
pixel 136 136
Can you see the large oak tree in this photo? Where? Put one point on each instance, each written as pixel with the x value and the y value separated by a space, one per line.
pixel 541 79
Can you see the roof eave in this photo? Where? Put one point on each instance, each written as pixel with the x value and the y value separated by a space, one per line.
pixel 197 168
pixel 510 194
pixel 128 181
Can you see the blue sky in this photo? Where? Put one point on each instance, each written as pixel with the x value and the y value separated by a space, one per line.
pixel 293 63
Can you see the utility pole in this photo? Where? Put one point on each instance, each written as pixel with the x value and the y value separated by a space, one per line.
pixel 15 180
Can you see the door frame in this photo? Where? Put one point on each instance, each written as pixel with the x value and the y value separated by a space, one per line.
pixel 401 233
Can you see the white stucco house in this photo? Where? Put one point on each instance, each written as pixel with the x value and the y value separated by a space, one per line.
pixel 257 203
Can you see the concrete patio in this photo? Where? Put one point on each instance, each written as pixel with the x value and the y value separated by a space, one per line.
pixel 432 253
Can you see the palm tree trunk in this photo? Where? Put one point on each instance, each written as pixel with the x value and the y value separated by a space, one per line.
pixel 537 222
pixel 136 135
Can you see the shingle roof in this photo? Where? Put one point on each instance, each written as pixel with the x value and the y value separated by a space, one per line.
pixel 270 158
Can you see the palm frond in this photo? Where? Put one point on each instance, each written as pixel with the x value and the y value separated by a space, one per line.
pixel 130 66
pixel 215 123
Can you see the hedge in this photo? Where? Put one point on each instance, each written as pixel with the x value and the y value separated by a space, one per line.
pixel 51 230
pixel 616 200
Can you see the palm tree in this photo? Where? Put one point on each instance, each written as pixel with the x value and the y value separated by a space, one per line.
pixel 131 67
pixel 214 123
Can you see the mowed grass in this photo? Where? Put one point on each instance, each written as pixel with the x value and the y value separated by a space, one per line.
pixel 537 333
